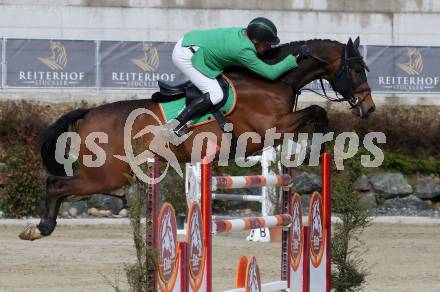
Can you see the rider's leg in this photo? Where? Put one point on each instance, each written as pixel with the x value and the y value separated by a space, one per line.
pixel 212 92
pixel 197 107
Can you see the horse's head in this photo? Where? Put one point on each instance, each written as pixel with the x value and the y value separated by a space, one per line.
pixel 347 76
pixel 342 65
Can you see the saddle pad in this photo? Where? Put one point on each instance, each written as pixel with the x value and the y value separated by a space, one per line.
pixel 170 110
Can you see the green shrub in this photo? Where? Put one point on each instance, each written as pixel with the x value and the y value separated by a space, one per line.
pixel 137 273
pixel 21 121
pixel 349 271
pixel 172 190
pixel 146 257
pixel 24 188
pixel 412 130
pixel 409 164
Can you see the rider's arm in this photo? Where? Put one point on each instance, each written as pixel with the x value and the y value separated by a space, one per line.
pixel 250 60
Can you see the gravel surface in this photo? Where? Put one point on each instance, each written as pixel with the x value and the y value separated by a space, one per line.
pixel 78 257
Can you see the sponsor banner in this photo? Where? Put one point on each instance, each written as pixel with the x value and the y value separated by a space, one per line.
pixel 137 65
pixel 50 63
pixel 316 86
pixel 140 65
pixel 404 69
pixel 3 62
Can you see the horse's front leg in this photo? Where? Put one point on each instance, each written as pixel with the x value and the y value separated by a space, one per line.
pixel 295 121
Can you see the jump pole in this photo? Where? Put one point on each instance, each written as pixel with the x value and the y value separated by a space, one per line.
pixel 178 275
pixel 319 233
pixel 326 197
pixel 193 174
pixel 208 183
pixel 206 215
pixel 313 241
pixel 151 218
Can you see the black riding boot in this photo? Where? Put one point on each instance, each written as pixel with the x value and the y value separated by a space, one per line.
pixel 196 108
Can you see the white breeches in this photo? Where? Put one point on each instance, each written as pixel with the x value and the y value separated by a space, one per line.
pixel 182 59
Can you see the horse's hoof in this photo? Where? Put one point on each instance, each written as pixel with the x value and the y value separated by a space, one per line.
pixel 30 233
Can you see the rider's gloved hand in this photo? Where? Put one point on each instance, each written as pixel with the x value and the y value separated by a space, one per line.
pixel 304 53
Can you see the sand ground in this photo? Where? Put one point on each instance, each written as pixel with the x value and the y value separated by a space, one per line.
pixel 79 258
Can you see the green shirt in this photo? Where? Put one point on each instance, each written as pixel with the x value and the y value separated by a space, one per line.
pixel 224 47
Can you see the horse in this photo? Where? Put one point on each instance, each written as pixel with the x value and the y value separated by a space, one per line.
pixel 261 105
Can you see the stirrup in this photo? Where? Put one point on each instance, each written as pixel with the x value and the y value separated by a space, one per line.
pixel 171 133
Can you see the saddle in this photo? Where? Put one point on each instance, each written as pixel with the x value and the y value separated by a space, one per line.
pixel 170 92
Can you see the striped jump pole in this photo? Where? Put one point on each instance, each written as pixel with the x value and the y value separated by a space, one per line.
pixel 209 183
pixel 251 223
pixel 242 182
pixel 241 198
pixel 305 249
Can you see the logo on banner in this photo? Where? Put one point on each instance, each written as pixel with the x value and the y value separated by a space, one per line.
pixel 195 240
pixel 412 77
pixel 58 60
pixel 195 248
pixel 296 247
pixel 253 281
pixel 316 230
pixel 167 243
pixel 147 76
pixel 56 77
pixel 414 66
pixel 150 60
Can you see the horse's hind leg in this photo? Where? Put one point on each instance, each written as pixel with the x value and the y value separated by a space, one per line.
pixel 60 187
pixel 57 189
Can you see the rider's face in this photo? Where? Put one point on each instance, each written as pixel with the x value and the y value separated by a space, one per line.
pixel 261 47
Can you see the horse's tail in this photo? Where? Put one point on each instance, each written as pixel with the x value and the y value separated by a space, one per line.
pixel 47 140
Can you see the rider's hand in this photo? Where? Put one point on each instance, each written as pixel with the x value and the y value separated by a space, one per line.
pixel 303 53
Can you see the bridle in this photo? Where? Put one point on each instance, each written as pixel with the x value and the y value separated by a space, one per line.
pixel 343 82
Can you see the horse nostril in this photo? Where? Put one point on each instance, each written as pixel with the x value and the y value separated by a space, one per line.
pixel 371 110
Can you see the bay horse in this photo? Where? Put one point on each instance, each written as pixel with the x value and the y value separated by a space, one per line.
pixel 261 105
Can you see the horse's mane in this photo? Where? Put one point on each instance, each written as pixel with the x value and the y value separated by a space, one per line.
pixel 300 43
pixel 278 53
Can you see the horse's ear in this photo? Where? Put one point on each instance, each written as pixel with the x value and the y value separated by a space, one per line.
pixel 356 46
pixel 357 42
pixel 350 48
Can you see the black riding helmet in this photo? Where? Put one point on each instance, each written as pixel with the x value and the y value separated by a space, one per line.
pixel 263 30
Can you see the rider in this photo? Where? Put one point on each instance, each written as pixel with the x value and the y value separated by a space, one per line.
pixel 202 55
